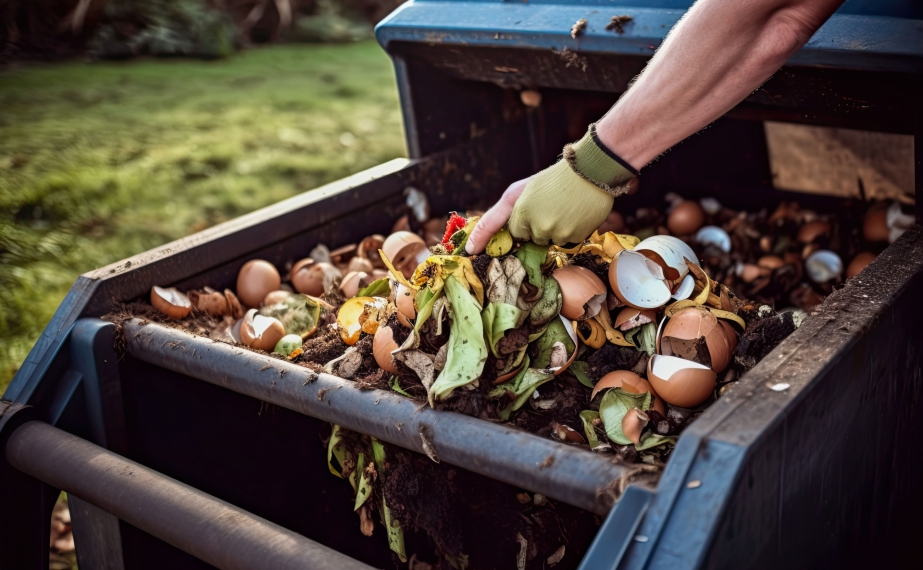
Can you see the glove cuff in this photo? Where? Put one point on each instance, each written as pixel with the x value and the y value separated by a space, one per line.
pixel 591 160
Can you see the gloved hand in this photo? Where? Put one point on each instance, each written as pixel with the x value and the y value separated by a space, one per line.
pixel 563 203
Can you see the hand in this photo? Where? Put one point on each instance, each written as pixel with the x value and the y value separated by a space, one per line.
pixel 563 203
pixel 495 218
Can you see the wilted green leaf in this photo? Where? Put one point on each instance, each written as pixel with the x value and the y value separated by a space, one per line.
pixel 644 337
pixel 335 449
pixel 395 533
pixel 467 350
pixel 549 306
pixel 588 429
pixel 425 300
pixel 396 386
pixel 533 257
pixel 378 288
pixel 499 318
pixel 556 332
pixel 523 385
pixel 652 440
pixel 364 490
pixel 579 370
pixel 613 407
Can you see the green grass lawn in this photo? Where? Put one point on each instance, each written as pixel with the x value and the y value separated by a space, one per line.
pixel 99 161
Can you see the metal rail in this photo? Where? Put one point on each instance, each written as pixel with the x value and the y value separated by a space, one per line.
pixel 569 474
pixel 205 527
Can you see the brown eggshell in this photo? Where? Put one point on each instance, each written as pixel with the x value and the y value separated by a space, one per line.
pixel 255 280
pixel 731 335
pixel 696 322
pixel 630 382
pixel 213 303
pixel 382 345
pixel 235 310
pixel 650 292
pixel 686 218
pixel 170 302
pixel 401 225
pixel 875 226
pixel 343 254
pixel 368 249
pixel 359 264
pixel 566 433
pixel 261 332
pixel 582 291
pixel 687 386
pixel 813 230
pixel 633 423
pixel 629 313
pixel 309 277
pixel 402 249
pixel 406 308
pixel 859 263
pixel 770 262
pixel 275 297
pixel 352 282
pixel 751 273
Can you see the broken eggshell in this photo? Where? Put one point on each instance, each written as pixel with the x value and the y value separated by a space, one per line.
pixel 582 291
pixel 630 317
pixel 823 266
pixel 261 332
pixel 383 345
pixel 859 263
pixel 559 359
pixel 638 281
pixel 405 250
pixel 630 382
pixel 404 300
pixel 691 324
pixel 633 424
pixel 713 235
pixel 566 433
pixel 170 302
pixel 255 280
pixel 211 302
pixel 353 281
pixel 313 278
pixel 670 253
pixel 813 230
pixel 680 382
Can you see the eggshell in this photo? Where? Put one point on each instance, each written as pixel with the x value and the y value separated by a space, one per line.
pixel 170 302
pixel 212 302
pixel 813 230
pixel 352 282
pixel 686 218
pixel 255 280
pixel 633 317
pixel 261 332
pixel 234 308
pixel 582 291
pixel 382 345
pixel 633 423
pixel 368 249
pixel 403 250
pixel 359 265
pixel 569 327
pixel 685 288
pixel 566 433
pixel 750 273
pixel 713 235
pixel 630 382
pixel 859 263
pixel 406 309
pixel 770 262
pixel 670 253
pixel 875 226
pixel 343 254
pixel 823 266
pixel 731 335
pixel 693 323
pixel 637 281
pixel 310 278
pixel 680 382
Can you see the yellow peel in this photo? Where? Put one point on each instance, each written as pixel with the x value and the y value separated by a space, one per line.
pixel 500 244
pixel 613 335
pixel 348 317
pixel 597 336
pixel 395 274
pixel 729 316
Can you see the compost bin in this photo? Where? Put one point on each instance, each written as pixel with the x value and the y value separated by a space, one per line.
pixel 182 452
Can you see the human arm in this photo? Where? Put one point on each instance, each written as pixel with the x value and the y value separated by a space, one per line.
pixel 717 54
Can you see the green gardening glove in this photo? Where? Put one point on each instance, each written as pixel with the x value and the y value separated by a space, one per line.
pixel 566 202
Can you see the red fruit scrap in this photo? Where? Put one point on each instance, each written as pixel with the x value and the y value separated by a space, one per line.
pixel 454 224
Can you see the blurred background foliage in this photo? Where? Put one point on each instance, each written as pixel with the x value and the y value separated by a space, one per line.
pixel 104 155
pixel 42 29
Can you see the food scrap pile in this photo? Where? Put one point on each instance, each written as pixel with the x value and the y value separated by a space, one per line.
pixel 614 344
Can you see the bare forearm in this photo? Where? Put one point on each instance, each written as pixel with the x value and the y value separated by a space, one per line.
pixel 717 55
